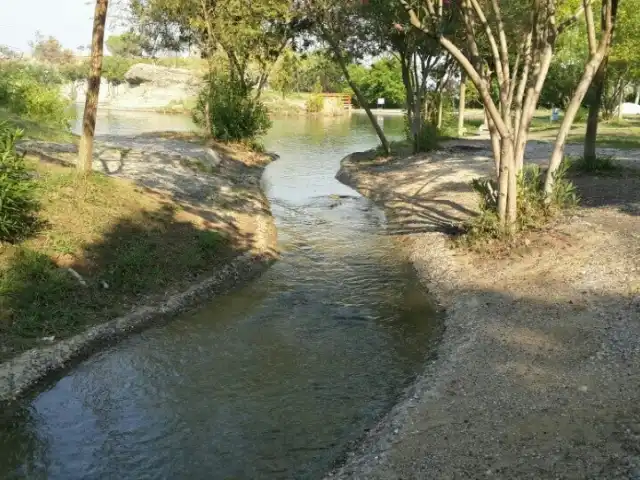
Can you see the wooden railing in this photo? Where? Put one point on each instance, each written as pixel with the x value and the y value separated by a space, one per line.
pixel 343 99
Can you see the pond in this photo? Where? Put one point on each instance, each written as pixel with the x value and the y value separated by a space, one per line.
pixel 275 380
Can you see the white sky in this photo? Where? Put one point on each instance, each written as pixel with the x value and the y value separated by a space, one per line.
pixel 70 21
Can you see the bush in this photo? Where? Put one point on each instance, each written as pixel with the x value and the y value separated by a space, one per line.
pixel 18 205
pixel 315 104
pixel 602 164
pixel 427 139
pixel 229 111
pixel 533 210
pixel 33 93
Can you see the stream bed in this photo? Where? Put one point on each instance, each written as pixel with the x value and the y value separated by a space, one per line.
pixel 276 380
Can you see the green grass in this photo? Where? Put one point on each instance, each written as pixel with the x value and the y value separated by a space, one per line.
pixel 36 130
pixel 139 244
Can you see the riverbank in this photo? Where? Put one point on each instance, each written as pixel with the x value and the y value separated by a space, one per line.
pixel 538 372
pixel 164 224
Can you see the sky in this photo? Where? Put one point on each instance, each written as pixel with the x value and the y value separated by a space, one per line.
pixel 70 21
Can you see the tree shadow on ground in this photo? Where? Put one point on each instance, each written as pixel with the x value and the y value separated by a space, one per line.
pixel 426 194
pixel 140 259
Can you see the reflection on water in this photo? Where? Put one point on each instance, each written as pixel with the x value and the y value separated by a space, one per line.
pixel 273 381
pixel 117 122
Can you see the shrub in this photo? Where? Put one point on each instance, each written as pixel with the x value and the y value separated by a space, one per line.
pixel 18 205
pixel 427 139
pixel 228 111
pixel 533 210
pixel 602 164
pixel 33 93
pixel 315 104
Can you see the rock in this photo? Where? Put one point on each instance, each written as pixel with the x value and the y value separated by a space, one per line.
pixel 160 76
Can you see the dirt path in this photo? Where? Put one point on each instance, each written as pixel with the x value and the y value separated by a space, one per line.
pixel 538 374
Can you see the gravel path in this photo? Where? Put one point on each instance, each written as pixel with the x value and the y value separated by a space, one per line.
pixel 538 374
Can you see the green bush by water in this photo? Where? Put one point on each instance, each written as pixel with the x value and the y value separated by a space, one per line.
pixel 33 92
pixel 233 114
pixel 18 206
pixel 314 104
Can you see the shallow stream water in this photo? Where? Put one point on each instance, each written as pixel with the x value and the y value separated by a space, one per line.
pixel 275 380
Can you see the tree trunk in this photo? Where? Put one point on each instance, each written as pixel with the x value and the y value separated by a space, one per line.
pixel 572 110
pixel 594 113
pixel 362 101
pixel 85 155
pixel 597 58
pixel 440 109
pixel 411 101
pixel 637 93
pixel 620 103
pixel 462 104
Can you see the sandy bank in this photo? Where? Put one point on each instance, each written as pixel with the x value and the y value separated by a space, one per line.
pixel 538 373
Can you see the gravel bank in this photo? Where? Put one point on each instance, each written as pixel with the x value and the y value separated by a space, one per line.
pixel 538 373
pixel 229 189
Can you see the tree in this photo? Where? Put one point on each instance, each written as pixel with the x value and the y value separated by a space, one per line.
pixel 382 80
pixel 617 70
pixel 128 45
pixel 384 29
pixel 85 159
pixel 598 50
pixel 333 22
pixel 50 50
pixel 285 76
pixel 511 45
pixel 251 34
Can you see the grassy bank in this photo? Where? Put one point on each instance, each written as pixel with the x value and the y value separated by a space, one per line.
pixel 37 130
pixel 127 244
pixel 622 135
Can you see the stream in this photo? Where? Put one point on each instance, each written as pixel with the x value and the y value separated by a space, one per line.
pixel 277 380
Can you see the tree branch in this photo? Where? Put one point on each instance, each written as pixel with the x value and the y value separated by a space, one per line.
pixel 478 81
pixel 573 18
pixel 591 28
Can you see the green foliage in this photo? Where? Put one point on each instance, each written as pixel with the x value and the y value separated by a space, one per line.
pixel 581 115
pixel 74 71
pixel 285 76
pixel 427 138
pixel 318 69
pixel 602 164
pixel 33 93
pixel 229 110
pixel 382 80
pixel 252 34
pixel 114 68
pixel 50 50
pixel 18 206
pixel 533 208
pixel 128 44
pixel 315 104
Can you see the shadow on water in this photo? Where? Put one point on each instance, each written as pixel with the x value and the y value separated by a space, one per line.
pixel 275 380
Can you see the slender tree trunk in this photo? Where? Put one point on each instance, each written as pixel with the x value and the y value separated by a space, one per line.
pixel 620 103
pixel 361 100
pixel 591 134
pixel 440 110
pixel 503 188
pixel 637 95
pixel 411 100
pixel 572 110
pixel 462 104
pixel 597 57
pixel 509 159
pixel 85 156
